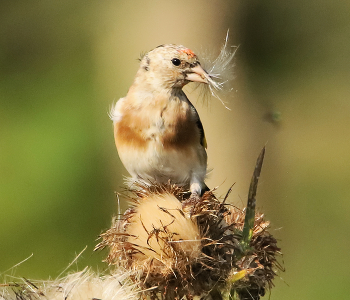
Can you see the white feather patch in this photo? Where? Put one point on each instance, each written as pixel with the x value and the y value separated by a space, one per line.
pixel 114 113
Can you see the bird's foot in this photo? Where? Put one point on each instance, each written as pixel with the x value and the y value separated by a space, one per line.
pixel 189 204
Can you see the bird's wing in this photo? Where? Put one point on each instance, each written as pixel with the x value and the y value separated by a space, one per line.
pixel 203 140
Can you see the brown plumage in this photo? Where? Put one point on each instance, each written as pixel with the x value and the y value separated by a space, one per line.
pixel 158 133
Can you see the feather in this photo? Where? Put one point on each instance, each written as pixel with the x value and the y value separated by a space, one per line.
pixel 220 71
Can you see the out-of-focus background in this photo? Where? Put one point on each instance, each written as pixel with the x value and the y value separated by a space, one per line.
pixel 63 63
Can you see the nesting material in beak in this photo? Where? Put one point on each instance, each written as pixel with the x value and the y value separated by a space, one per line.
pixel 198 75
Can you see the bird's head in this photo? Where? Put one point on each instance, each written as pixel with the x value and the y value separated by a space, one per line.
pixel 171 66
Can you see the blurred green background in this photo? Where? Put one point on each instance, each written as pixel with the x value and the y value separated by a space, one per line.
pixel 63 63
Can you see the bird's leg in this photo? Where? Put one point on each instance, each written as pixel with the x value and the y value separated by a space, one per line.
pixel 189 204
pixel 196 187
pixel 195 197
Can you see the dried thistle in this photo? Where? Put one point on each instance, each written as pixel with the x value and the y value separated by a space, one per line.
pixel 76 286
pixel 181 249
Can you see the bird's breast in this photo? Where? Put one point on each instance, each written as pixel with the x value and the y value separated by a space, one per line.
pixel 160 142
pixel 171 127
pixel 180 130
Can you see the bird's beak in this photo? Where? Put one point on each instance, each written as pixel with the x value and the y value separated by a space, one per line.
pixel 197 74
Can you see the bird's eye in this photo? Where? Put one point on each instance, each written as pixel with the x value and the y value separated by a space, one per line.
pixel 176 61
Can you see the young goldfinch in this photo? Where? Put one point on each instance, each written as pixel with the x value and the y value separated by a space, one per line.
pixel 157 130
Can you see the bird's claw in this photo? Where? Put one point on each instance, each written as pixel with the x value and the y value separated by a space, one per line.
pixel 189 204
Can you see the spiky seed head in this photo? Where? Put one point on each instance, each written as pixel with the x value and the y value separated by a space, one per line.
pixel 159 229
pixel 205 258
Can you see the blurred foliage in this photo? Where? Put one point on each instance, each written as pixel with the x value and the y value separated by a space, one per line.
pixel 297 64
pixel 56 195
pixel 63 63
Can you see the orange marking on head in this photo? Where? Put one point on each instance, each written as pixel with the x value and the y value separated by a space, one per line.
pixel 189 52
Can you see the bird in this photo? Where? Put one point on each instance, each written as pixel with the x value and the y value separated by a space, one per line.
pixel 157 130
